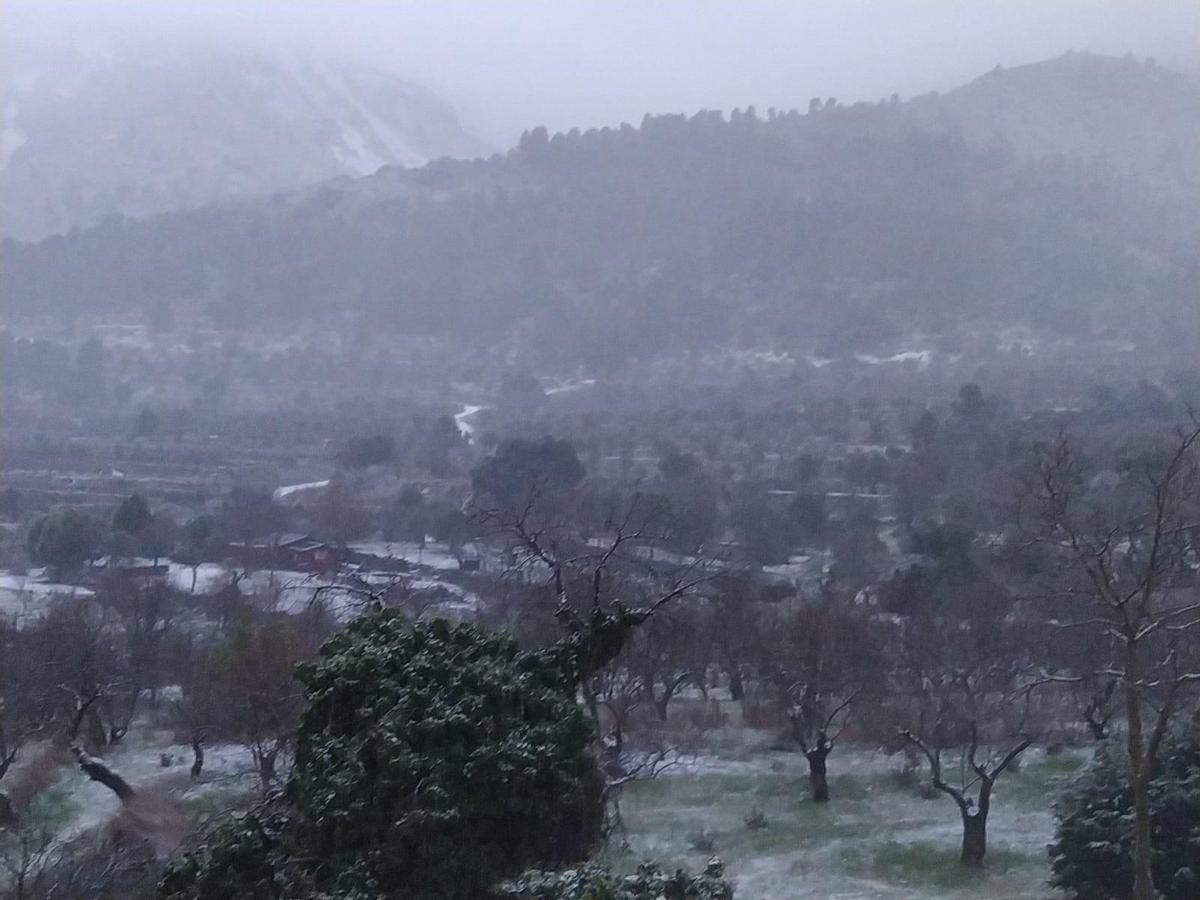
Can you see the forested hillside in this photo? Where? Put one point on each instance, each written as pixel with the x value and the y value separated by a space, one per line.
pixel 849 225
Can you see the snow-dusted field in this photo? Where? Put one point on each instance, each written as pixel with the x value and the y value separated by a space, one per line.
pixel 27 596
pixel 72 804
pixel 292 592
pixel 877 840
pixel 432 555
pixel 210 577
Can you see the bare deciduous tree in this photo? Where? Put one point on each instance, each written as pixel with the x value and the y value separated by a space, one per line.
pixel 1124 544
pixel 817 723
pixel 828 659
pixel 247 692
pixel 606 586
pixel 25 712
pixel 968 688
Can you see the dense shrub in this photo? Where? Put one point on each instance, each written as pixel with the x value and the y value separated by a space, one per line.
pixel 433 760
pixel 243 858
pixel 436 758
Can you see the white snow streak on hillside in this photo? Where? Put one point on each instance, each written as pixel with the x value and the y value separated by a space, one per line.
pixel 356 157
pixel 368 142
pixel 12 138
pixel 921 357
pixel 282 493
pixel 381 131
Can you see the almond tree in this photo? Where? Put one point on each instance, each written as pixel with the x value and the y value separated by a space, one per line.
pixel 817 723
pixel 248 692
pixel 829 657
pixel 965 685
pixel 660 656
pixel 978 766
pixel 605 589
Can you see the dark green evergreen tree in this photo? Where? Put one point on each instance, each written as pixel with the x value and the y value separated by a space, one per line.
pixel 521 470
pixel 1092 853
pixel 434 759
pixel 64 538
pixel 133 516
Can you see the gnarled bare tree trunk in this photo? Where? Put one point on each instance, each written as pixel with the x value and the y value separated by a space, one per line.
pixel 1139 769
pixel 974 840
pixel 98 771
pixel 197 756
pixel 974 813
pixel 818 777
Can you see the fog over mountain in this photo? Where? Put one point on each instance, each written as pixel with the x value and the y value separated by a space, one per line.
pixel 1056 196
pixel 638 449
pixel 141 107
pixel 513 65
pixel 92 133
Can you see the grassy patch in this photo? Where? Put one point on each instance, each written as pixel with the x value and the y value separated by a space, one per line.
pixel 819 823
pixel 1062 765
pixel 875 839
pixel 215 802
pixel 1039 780
pixel 770 841
pixel 843 788
pixel 54 807
pixel 705 789
pixel 937 865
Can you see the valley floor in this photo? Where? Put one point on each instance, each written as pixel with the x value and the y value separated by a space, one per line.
pixel 882 836
pixel 878 839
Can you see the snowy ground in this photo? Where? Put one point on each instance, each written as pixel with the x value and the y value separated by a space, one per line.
pixel 73 805
pixel 293 591
pixel 210 577
pixel 461 420
pixel 877 840
pixel 434 555
pixel 23 596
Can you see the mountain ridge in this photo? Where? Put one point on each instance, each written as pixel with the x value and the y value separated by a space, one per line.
pixel 843 224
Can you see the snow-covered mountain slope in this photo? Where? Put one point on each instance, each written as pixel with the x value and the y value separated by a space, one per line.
pixel 83 137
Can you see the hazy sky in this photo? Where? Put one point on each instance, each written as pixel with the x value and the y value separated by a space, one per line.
pixel 511 64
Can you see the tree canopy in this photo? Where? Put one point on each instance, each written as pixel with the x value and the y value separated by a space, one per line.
pixel 133 515
pixel 522 469
pixel 64 538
